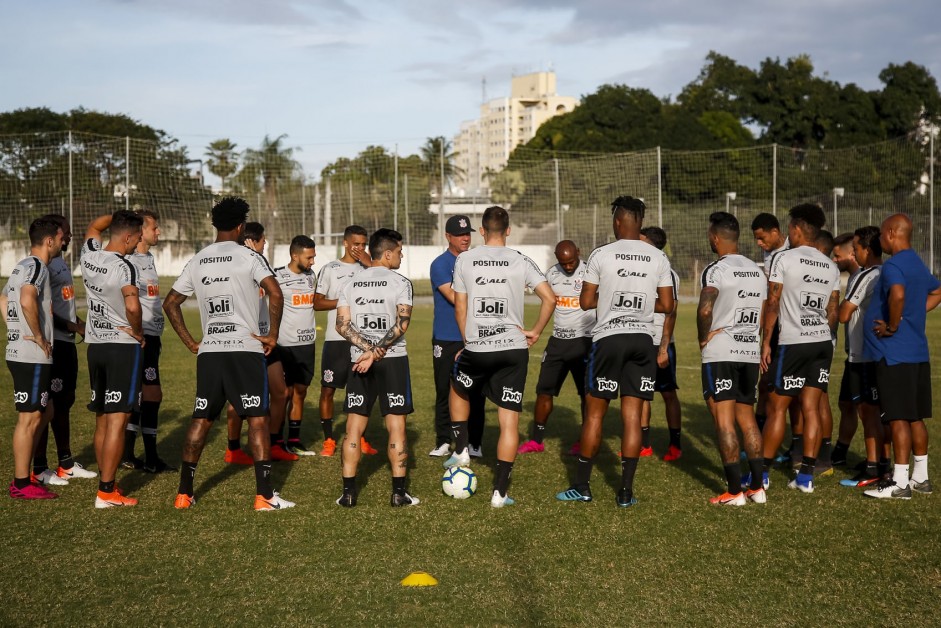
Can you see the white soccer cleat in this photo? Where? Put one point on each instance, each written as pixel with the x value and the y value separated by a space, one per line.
pixel 458 460
pixel 51 478
pixel 77 471
pixel 440 451
pixel 476 452
pixel 499 501
pixel 275 503
pixel 759 496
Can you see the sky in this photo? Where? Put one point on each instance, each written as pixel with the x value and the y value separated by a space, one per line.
pixel 338 75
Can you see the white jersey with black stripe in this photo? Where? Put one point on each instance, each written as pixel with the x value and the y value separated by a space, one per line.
pixel 330 281
pixel 298 327
pixel 28 272
pixel 737 310
pixel 660 319
pixel 808 278
pixel 148 288
pixel 569 319
pixel 105 274
pixel 859 291
pixel 373 297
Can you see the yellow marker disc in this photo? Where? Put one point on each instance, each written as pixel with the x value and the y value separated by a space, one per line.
pixel 419 579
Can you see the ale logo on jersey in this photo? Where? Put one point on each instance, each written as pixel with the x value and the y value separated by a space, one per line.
pixel 811 301
pixel 746 316
pixel 628 301
pixel 372 322
pixel 489 307
pixel 219 306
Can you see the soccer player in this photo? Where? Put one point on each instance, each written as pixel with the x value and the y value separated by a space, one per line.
pixel 489 283
pixel 145 420
pixel 28 315
pixel 230 364
pixel 446 342
pixel 115 336
pixel 373 311
pixel 568 347
pixel 894 337
pixel 335 360
pixel 728 321
pixel 767 231
pixel 859 375
pixel 665 382
pixel 803 294
pixel 627 281
pixel 845 260
pixel 297 340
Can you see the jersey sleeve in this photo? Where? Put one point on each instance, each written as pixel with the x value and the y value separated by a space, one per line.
pixel 533 276
pixel 6 288
pixel 457 281
pixel 184 283
pixel 343 298
pixel 778 268
pixel 324 282
pixel 404 297
pixel 665 279
pixel 260 269
pixel 712 276
pixel 439 273
pixel 592 268
pixel 128 273
pixel 676 284
pixel 862 288
pixel 35 274
pixel 90 246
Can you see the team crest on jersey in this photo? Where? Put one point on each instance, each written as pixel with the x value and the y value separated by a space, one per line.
pixel 723 385
pixel 328 376
pixel 578 285
pixel 646 384
pixel 201 404
pixel 512 396
pixel 355 401
pixel 602 384
pixel 150 373
pixel 824 377
pixel 396 400
pixel 250 401
pixel 436 351
pixel 56 384
pixel 22 397
pixel 791 382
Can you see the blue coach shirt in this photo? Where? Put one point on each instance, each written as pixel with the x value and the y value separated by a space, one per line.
pixel 908 345
pixel 445 325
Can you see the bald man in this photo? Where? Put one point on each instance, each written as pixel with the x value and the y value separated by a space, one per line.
pixel 894 337
pixel 568 347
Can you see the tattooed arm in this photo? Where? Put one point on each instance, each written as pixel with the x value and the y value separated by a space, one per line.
pixel 346 329
pixel 707 301
pixel 403 317
pixel 768 321
pixel 172 308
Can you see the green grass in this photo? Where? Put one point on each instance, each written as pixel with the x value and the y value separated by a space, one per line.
pixel 830 558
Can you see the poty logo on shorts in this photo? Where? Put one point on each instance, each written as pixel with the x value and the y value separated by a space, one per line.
pixel 150 373
pixel 113 396
pixel 791 382
pixel 646 384
pixel 436 351
pixel 328 376
pixel 44 399
pixel 723 384
pixel 20 397
pixel 464 379
pixel 513 396
pixel 824 377
pixel 250 401
pixel 56 385
pixel 875 393
pixel 355 401
pixel 201 404
pixel 603 384
pixel 93 395
pixel 396 400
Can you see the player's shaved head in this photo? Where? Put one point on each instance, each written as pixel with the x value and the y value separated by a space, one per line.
pixel 896 233
pixel 566 252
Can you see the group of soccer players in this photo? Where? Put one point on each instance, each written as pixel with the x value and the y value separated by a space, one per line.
pixel 764 336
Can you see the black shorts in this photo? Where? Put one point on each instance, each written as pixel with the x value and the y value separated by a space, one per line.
pixel 239 377
pixel 904 391
pixel 335 364
pixel 859 383
pixel 30 385
pixel 298 364
pixel 273 357
pixel 152 346
pixel 623 365
pixel 730 381
pixel 665 380
pixel 498 375
pixel 797 366
pixel 561 357
pixel 115 371
pixel 64 374
pixel 387 380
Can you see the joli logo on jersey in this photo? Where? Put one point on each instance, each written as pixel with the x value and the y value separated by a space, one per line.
pixel 746 316
pixel 219 306
pixel 628 301
pixel 486 307
pixel 372 322
pixel 811 301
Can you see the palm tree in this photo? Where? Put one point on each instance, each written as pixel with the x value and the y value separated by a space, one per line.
pixel 274 164
pixel 222 159
pixel 432 152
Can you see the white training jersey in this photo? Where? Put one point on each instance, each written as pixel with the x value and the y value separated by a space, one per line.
pixel 737 310
pixel 148 287
pixel 225 277
pixel 298 327
pixel 373 296
pixel 808 277
pixel 767 255
pixel 330 281
pixel 28 272
pixel 859 291
pixel 569 320
pixel 105 274
pixel 627 273
pixel 660 319
pixel 63 297
pixel 494 278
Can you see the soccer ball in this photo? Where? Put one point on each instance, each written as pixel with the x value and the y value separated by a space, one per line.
pixel 459 482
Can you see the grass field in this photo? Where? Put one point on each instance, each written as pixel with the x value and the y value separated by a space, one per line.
pixel 830 558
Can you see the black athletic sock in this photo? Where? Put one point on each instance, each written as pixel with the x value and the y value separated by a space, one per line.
pixel 130 440
pixel 65 459
pixel 327 425
pixel 839 452
pixel 733 477
pixel 826 450
pixel 501 480
pixel 756 468
pixel 628 469
pixel 872 469
pixel 884 466
pixel 645 437
pixel 294 430
pixel 796 440
pixel 349 485
pixel 149 412
pixel 675 437
pixel 40 463
pixel 461 436
pixel 234 444
pixel 807 465
pixel 760 420
pixel 583 471
pixel 275 439
pixel 106 487
pixel 398 486
pixel 263 479
pixel 187 473
pixel 21 482
pixel 539 432
pixel 768 462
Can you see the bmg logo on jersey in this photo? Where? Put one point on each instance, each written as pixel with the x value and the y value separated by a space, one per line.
pixel 628 301
pixel 723 384
pixel 746 316
pixel 250 401
pixel 219 306
pixel 372 322
pixel 512 396
pixel 811 301
pixel 395 400
pixel 489 307
pixel 605 385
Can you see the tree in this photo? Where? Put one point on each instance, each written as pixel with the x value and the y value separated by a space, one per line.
pixel 910 97
pixel 432 152
pixel 506 186
pixel 273 164
pixel 222 159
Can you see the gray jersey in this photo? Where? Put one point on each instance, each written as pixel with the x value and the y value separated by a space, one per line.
pixel 659 319
pixel 298 327
pixel 494 278
pixel 148 287
pixel 737 311
pixel 29 272
pixel 627 273
pixel 330 281
pixel 63 297
pixel 225 277
pixel 859 291
pixel 569 320
pixel 808 278
pixel 767 255
pixel 372 296
pixel 105 274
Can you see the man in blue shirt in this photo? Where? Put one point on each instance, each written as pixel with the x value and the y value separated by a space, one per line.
pixel 894 338
pixel 446 342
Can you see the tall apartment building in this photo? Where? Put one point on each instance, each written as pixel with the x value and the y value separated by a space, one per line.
pixel 485 144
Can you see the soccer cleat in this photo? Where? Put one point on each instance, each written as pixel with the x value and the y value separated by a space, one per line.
pixel 765 481
pixel 184 501
pixel 238 456
pixel 132 463
pixel 921 487
pixel 575 449
pixel 783 459
pixel 329 448
pixel 475 452
pixel 499 501
pixel 49 478
pixel 531 447
pixel 838 460
pixel 295 447
pixel 673 454
pixel 727 499
pixel 458 460
pixel 804 482
pixel 158 466
pixel 860 479
pixel 759 496
pixel 403 500
pixel 645 452
pixel 625 498
pixel 77 471
pixel 347 500
pixel 279 453
pixel 368 449
pixel 888 489
pixel 31 491
pixel 575 494
pixel 823 470
pixel 275 503
pixel 442 450
pixel 113 499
